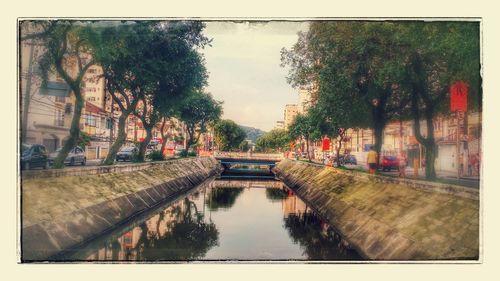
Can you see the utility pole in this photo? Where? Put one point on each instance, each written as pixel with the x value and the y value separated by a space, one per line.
pixel 27 95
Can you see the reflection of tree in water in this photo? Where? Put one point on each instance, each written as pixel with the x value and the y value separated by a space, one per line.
pixel 275 194
pixel 189 237
pixel 222 198
pixel 305 229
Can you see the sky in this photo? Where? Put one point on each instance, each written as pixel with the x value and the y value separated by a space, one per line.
pixel 245 73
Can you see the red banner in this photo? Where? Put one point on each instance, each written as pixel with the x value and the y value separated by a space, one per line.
pixel 458 96
pixel 326 144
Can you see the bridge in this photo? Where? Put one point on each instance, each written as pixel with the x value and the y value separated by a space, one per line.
pixel 254 159
pixel 231 160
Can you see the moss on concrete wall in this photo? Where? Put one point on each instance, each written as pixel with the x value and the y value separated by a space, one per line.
pixel 61 212
pixel 389 220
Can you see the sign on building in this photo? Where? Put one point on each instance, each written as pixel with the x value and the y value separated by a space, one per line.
pixel 458 96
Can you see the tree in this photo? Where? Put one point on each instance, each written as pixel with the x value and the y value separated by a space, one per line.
pixel 274 140
pixel 436 55
pixel 358 57
pixel 166 125
pixel 67 56
pixel 197 111
pixel 228 135
pixel 148 67
pixel 244 146
pixel 171 68
pixel 303 127
pixel 335 112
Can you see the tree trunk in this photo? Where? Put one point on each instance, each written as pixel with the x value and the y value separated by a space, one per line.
pixel 74 132
pixel 379 132
pixel 164 139
pixel 164 136
pixel 144 144
pixel 379 122
pixel 430 145
pixel 120 139
pixel 429 142
pixel 307 148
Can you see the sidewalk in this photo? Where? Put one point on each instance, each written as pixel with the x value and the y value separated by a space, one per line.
pixel 442 176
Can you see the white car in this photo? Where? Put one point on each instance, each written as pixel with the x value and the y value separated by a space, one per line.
pixel 75 156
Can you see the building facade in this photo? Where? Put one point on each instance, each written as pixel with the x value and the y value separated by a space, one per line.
pixel 291 111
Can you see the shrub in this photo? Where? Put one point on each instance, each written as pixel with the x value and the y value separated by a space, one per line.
pixel 135 157
pixel 156 155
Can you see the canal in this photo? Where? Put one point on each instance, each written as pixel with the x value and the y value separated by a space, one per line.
pixel 224 220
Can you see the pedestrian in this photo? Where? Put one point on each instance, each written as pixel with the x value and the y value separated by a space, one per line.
pixel 470 164
pixel 402 165
pixel 371 159
pixel 461 164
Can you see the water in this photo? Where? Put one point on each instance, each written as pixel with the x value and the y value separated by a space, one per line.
pixel 225 220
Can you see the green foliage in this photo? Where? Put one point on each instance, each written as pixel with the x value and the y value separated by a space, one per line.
pixel 366 74
pixel 275 140
pixel 228 135
pixel 156 155
pixel 244 146
pixel 303 126
pixel 84 139
pixel 150 66
pixel 197 111
pixel 65 46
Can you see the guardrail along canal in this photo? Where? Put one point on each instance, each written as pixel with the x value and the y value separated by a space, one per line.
pixel 224 220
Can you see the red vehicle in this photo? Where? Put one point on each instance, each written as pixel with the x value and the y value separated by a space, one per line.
pixel 389 162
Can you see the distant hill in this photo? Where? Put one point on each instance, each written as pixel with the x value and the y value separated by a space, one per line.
pixel 252 133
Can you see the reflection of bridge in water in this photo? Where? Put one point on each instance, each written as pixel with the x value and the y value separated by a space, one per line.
pixel 247 184
pixel 247 165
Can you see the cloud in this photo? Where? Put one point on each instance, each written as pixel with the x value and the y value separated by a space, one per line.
pixel 245 72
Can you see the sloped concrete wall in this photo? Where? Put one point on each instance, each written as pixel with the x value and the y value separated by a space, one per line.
pixel 61 212
pixel 390 219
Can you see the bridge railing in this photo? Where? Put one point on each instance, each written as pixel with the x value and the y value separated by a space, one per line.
pixel 245 155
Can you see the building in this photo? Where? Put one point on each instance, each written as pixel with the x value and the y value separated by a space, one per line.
pixel 280 125
pixel 291 111
pixel 305 100
pixel 45 113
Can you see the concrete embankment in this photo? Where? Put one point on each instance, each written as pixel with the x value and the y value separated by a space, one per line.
pixel 388 218
pixel 63 209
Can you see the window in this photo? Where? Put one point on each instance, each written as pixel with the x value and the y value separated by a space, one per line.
pixel 109 123
pixel 90 121
pixel 59 121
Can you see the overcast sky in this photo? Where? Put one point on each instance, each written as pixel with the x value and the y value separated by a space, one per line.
pixel 245 73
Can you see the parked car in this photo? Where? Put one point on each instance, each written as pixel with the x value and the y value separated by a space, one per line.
pixel 33 156
pixel 125 153
pixel 388 163
pixel 75 156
